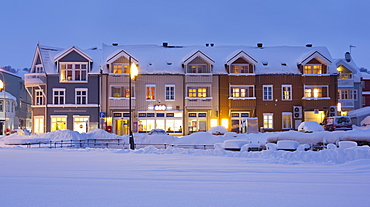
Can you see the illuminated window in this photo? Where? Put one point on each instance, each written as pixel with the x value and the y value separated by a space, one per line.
pixel 267 92
pixel 38 125
pixel 198 92
pixel 241 68
pixel 286 92
pixel 242 91
pixel 287 120
pixel 58 123
pixel 198 68
pixel 73 71
pixel 122 92
pixel 315 91
pixel 313 69
pixel 150 92
pixel 268 120
pixel 120 68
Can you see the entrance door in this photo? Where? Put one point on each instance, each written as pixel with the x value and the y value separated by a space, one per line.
pixel 121 127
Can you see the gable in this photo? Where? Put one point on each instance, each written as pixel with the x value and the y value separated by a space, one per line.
pixel 121 56
pixel 196 55
pixel 73 56
pixel 239 57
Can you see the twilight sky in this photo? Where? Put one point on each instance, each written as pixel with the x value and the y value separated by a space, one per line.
pixel 335 24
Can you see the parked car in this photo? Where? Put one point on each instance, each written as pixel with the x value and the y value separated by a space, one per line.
pixel 310 126
pixel 158 132
pixel 337 123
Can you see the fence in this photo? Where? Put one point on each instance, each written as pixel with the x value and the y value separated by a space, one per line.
pixel 108 143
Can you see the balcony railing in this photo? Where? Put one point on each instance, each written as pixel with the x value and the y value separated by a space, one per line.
pixel 194 103
pixel 34 79
pixel 345 82
pixel 347 103
pixel 121 102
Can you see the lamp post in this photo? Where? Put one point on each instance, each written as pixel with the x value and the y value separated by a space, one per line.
pixel 133 71
pixel 2 88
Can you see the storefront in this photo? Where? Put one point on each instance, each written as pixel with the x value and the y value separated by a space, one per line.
pixel 166 120
pixel 197 122
pixel 237 120
pixel 121 123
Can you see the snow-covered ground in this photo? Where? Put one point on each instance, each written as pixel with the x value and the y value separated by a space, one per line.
pixel 185 177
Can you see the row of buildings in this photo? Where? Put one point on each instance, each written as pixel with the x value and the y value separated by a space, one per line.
pixel 184 89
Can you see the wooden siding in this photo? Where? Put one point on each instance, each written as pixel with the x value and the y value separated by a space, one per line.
pixel 198 78
pixel 121 103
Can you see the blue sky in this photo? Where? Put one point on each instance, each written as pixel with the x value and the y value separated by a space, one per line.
pixel 335 24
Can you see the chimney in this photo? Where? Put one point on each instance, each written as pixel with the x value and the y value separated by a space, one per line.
pixel 207 44
pixel 308 45
pixel 347 56
pixel 115 43
pixel 212 44
pixel 165 44
pixel 260 45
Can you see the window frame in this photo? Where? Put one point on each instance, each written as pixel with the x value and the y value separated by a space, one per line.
pixel 150 95
pixel 198 92
pixel 248 69
pixel 267 97
pixel 313 87
pixel 81 96
pixel 312 69
pixel 124 69
pixel 283 120
pixel 283 95
pixel 197 69
pixel 59 96
pixel 169 94
pixel 249 94
pixel 74 69
pixel 269 121
pixel 39 97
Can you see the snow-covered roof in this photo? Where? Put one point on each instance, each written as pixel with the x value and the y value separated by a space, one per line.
pixel 7 96
pixel 359 112
pixel 350 65
pixel 49 55
pixel 155 59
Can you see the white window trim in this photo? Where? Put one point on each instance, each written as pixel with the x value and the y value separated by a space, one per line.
pixel 39 129
pixel 64 96
pixel 73 72
pixel 315 86
pixel 87 95
pixel 263 120
pixel 272 92
pixel 187 68
pixel 242 86
pixel 239 64
pixel 199 86
pixel 282 119
pixel 155 92
pixel 174 92
pixel 58 116
pixel 41 97
pixel 282 92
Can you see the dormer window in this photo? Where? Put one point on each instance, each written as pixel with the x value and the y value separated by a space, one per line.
pixel 39 68
pixel 73 72
pixel 313 69
pixel 198 68
pixel 120 68
pixel 241 68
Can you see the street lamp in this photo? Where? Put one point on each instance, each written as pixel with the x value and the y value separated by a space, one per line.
pixel 2 87
pixel 133 71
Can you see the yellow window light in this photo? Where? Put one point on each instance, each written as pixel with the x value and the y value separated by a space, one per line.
pixel 213 122
pixel 225 123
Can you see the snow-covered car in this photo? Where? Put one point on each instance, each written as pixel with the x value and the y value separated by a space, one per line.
pixel 157 132
pixel 310 126
pixel 288 145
